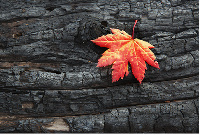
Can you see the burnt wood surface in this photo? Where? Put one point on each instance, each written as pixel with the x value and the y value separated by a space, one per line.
pixel 49 81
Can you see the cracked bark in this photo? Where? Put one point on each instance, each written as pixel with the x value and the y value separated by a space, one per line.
pixel 49 78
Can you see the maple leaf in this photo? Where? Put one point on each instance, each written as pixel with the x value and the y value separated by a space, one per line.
pixel 123 48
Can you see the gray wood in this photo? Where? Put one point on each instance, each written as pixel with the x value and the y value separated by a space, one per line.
pixel 49 81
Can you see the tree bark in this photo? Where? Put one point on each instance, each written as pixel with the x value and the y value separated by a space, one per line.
pixel 49 81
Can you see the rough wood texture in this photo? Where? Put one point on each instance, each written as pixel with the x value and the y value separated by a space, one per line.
pixel 49 81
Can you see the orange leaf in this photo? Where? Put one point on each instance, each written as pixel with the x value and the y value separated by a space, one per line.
pixel 123 48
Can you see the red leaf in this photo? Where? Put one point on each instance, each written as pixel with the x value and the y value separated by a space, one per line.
pixel 123 49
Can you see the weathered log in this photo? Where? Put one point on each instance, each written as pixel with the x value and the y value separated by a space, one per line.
pixel 49 81
pixel 175 117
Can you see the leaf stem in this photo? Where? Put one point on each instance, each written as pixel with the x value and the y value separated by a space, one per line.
pixel 133 29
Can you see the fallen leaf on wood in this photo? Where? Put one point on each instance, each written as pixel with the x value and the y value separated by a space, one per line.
pixel 123 48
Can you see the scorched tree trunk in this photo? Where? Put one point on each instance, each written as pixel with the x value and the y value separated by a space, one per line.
pixel 49 81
